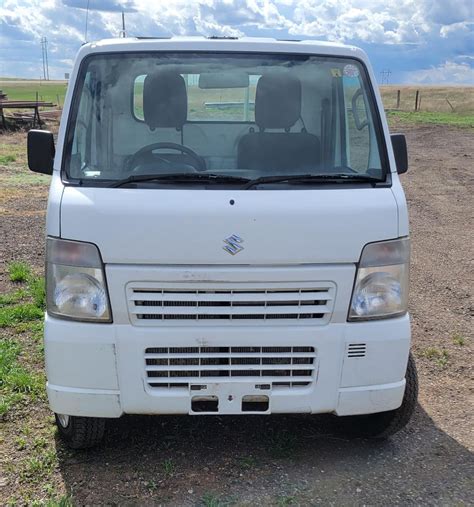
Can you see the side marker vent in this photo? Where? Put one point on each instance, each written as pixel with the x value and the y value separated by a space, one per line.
pixel 356 350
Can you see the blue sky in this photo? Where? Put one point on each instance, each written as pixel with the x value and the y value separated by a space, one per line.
pixel 420 41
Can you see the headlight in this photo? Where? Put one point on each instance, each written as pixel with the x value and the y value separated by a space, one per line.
pixel 381 286
pixel 75 281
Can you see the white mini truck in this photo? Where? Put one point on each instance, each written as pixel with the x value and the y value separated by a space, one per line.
pixel 226 234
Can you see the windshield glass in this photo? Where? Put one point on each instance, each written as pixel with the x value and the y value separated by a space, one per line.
pixel 228 117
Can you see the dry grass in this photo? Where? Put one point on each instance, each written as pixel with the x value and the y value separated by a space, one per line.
pixel 433 98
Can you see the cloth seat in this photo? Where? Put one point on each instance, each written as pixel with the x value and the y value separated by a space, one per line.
pixel 165 100
pixel 278 106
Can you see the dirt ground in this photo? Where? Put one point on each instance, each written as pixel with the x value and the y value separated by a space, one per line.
pixel 295 460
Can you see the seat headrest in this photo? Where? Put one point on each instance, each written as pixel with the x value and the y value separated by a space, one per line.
pixel 165 101
pixel 277 101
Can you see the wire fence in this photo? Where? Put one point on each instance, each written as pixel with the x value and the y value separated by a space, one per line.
pixel 433 99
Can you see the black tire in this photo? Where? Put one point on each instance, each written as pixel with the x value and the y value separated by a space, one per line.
pixel 80 432
pixel 384 424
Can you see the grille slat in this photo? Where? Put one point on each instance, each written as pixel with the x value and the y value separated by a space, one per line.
pixel 219 310
pixel 228 367
pixel 281 366
pixel 228 296
pixel 160 304
pixel 214 355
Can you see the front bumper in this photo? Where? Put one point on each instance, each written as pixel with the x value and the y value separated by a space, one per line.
pixel 98 370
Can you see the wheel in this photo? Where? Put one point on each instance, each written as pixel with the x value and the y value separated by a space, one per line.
pixel 80 432
pixel 384 424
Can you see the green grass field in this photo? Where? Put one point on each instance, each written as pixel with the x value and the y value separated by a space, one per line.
pixel 49 91
pixel 453 119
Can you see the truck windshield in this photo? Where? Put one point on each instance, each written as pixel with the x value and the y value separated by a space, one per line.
pixel 141 118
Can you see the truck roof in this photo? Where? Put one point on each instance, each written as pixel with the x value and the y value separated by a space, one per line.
pixel 228 44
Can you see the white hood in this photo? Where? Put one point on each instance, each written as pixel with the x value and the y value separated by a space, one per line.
pixel 151 226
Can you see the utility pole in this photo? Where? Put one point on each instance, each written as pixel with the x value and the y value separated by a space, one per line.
pixel 385 76
pixel 44 53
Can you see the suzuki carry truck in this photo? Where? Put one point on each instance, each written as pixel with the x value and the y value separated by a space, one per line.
pixel 226 234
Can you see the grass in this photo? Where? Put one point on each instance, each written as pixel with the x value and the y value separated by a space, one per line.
pixel 33 458
pixel 446 99
pixel 428 117
pixel 168 467
pixel 440 357
pixel 64 501
pixel 13 147
pixel 20 443
pixel 22 179
pixel 13 297
pixel 210 500
pixel 37 289
pixel 9 351
pixel 152 485
pixel 282 444
pixel 247 462
pixel 18 271
pixel 38 466
pixel 24 312
pixel 459 340
pixel 21 311
pixel 7 159
pixel 284 501
pixel 15 378
pixel 49 91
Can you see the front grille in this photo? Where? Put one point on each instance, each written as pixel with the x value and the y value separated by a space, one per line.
pixel 148 305
pixel 168 367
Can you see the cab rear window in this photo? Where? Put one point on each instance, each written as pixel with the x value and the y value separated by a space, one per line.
pixel 208 100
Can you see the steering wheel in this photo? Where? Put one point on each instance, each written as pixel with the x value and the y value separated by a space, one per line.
pixel 133 161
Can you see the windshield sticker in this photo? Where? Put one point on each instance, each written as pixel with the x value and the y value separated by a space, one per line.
pixel 351 71
pixel 336 72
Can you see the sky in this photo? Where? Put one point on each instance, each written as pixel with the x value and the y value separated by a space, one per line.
pixel 419 41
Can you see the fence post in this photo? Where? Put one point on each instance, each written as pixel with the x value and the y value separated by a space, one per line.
pixel 416 99
pixel 450 105
pixel 398 99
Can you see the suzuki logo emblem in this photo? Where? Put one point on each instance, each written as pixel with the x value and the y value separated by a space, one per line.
pixel 233 244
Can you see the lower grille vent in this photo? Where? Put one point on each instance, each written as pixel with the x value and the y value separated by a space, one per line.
pixel 356 350
pixel 169 367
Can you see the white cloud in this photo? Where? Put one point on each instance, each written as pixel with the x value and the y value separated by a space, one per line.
pixel 427 26
pixel 371 21
pixel 456 28
pixel 448 72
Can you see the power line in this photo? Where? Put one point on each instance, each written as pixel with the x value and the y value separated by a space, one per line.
pixel 385 76
pixel 44 54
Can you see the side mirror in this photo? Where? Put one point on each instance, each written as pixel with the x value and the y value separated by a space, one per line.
pixel 399 144
pixel 41 151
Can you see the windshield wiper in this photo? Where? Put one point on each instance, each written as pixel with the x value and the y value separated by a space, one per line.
pixel 191 177
pixel 308 178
